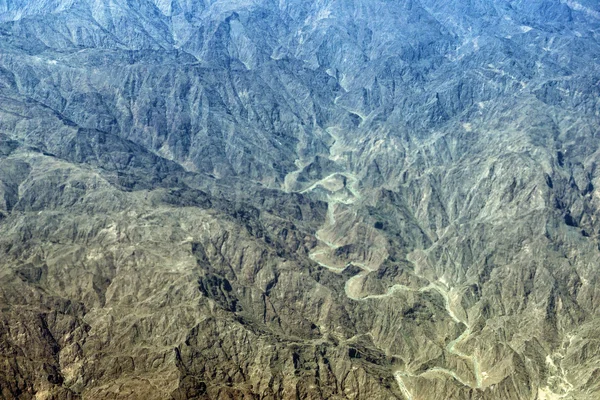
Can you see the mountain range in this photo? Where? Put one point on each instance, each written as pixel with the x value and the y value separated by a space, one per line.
pixel 338 199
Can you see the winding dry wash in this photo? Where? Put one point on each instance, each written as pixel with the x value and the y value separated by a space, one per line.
pixel 353 287
pixel 340 200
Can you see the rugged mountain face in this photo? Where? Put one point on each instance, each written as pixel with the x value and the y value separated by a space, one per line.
pixel 313 200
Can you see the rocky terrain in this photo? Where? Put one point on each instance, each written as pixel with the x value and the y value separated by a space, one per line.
pixel 258 199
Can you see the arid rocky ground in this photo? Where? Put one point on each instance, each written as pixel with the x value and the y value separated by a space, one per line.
pixel 299 200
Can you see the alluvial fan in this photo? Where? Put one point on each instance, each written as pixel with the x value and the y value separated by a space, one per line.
pixel 339 199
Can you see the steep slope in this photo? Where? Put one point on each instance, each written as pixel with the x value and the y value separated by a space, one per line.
pixel 330 200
